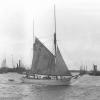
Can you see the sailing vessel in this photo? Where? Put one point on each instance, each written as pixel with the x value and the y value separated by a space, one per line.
pixel 47 68
pixel 4 64
pixel 4 68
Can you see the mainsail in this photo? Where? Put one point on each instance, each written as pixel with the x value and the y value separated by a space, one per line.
pixel 44 61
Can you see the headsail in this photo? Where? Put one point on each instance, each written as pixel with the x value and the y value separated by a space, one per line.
pixel 60 66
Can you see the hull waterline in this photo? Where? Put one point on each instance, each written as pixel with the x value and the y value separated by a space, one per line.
pixel 47 81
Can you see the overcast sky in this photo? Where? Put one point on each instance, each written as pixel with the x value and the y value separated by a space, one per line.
pixel 78 29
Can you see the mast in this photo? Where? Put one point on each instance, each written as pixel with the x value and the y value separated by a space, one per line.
pixel 55 41
pixel 33 31
pixel 33 46
pixel 12 62
pixel 19 63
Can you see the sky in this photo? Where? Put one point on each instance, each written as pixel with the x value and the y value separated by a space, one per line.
pixel 77 24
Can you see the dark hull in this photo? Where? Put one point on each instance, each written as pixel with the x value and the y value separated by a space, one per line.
pixel 95 73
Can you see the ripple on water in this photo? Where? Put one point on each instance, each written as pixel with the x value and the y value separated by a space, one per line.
pixel 85 88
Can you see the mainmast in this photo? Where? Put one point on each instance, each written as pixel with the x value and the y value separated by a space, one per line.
pixel 55 41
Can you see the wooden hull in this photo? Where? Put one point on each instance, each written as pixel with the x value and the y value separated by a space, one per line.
pixel 47 81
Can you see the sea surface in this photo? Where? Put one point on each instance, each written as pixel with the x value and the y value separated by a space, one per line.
pixel 85 88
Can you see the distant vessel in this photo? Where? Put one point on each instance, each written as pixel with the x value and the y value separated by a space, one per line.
pixel 20 68
pixel 4 64
pixel 47 68
pixel 94 72
pixel 83 70
pixel 4 68
pixel 11 80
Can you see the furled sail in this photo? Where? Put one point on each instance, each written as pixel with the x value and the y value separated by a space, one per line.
pixel 44 61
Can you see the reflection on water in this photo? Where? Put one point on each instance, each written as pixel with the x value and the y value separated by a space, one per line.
pixel 85 88
pixel 49 92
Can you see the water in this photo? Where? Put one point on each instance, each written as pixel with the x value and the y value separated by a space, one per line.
pixel 85 88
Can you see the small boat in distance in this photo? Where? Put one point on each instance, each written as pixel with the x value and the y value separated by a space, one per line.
pixel 4 63
pixel 11 80
pixel 47 68
pixel 95 71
